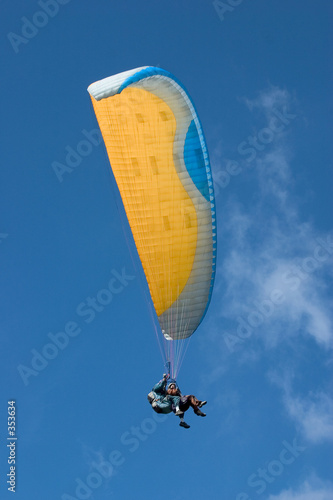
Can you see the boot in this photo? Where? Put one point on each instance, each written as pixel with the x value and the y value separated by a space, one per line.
pixel 199 412
pixel 185 425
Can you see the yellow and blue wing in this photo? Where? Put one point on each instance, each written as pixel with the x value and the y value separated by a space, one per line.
pixel 159 158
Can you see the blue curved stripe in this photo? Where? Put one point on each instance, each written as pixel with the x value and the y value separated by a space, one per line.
pixel 194 160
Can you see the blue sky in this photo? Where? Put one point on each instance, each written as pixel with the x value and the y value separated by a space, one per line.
pixel 260 75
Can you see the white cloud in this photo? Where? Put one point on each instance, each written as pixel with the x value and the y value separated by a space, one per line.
pixel 312 489
pixel 313 414
pixel 269 99
pixel 269 247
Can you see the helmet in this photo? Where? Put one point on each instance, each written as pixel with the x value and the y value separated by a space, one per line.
pixel 172 382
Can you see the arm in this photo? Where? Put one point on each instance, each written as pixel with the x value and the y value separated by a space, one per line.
pixel 159 388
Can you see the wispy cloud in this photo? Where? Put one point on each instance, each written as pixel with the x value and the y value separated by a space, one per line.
pixel 269 99
pixel 312 489
pixel 312 412
pixel 269 247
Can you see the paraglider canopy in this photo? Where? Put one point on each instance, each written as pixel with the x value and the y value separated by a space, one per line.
pixel 159 158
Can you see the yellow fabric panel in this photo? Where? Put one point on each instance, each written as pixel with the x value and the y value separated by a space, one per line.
pixel 139 131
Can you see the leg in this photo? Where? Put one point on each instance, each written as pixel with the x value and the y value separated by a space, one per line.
pixel 175 400
pixel 162 406
pixel 196 404
pixel 183 423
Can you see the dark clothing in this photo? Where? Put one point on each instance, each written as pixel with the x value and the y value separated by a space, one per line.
pixel 187 401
